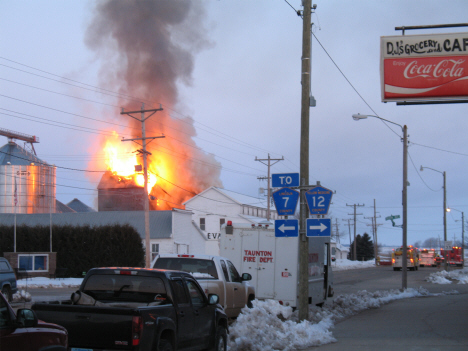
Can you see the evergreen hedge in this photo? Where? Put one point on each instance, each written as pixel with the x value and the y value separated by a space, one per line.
pixel 79 248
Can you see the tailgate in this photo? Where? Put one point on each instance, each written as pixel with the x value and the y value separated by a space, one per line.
pixel 91 327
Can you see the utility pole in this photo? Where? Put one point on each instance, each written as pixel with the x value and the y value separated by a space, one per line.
pixel 349 230
pixel 355 214
pixel 268 164
pixel 303 288
pixel 145 170
pixel 337 232
pixel 376 226
pixel 374 231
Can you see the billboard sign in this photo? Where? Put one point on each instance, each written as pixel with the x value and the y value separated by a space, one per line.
pixel 424 67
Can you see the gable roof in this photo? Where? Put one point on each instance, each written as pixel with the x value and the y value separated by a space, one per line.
pixel 60 207
pixel 238 198
pixel 79 206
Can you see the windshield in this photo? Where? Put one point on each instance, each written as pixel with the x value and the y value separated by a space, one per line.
pixel 205 268
pixel 134 288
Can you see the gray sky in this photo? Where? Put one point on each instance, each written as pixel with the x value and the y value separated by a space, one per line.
pixel 243 94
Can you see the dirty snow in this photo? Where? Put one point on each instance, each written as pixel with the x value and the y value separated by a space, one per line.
pixel 344 264
pixel 444 277
pixel 269 326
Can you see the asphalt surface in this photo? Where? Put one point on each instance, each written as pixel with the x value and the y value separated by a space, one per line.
pixel 425 323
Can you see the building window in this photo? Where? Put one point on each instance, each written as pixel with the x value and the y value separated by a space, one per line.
pixel 202 223
pixel 33 262
pixel 221 221
pixel 154 251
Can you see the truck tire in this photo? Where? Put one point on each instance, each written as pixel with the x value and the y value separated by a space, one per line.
pixel 221 339
pixel 249 301
pixel 165 345
pixel 6 291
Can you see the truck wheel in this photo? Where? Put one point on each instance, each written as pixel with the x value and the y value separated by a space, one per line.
pixel 221 339
pixel 164 345
pixel 249 301
pixel 7 293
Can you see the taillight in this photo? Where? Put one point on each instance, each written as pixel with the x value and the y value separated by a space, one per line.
pixel 185 255
pixel 137 327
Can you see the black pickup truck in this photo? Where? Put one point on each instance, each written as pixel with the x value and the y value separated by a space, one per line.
pixel 139 309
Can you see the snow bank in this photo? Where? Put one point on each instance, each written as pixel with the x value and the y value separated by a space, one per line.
pixel 270 326
pixel 21 296
pixel 444 277
pixel 344 264
pixel 41 282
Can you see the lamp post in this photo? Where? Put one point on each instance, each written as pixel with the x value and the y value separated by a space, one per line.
pixel 445 213
pixel 404 129
pixel 463 234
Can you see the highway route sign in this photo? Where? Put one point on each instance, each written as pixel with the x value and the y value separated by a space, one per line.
pixel 281 180
pixel 318 227
pixel 318 199
pixel 286 228
pixel 285 201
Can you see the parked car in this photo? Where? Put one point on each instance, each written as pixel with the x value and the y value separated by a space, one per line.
pixel 216 275
pixel 23 331
pixel 122 308
pixel 7 279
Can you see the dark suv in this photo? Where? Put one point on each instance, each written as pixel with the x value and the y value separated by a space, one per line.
pixel 24 331
pixel 7 279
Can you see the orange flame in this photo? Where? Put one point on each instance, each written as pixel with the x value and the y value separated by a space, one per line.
pixel 121 160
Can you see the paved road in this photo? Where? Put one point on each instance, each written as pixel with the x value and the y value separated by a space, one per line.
pixel 416 324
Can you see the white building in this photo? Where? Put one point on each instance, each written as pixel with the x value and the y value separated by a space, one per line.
pixel 339 251
pixel 170 231
pixel 215 206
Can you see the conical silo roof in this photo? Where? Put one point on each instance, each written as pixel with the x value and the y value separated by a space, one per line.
pixel 16 155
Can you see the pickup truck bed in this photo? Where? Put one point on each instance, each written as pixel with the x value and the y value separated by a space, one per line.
pixel 138 309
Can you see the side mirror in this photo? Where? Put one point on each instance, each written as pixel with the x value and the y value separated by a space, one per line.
pixel 26 318
pixel 213 299
pixel 246 276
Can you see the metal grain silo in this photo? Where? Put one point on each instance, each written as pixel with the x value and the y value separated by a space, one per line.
pixel 27 184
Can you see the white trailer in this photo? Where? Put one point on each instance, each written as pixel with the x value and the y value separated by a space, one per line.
pixel 273 262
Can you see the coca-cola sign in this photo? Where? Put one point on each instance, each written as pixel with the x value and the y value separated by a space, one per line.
pixel 424 67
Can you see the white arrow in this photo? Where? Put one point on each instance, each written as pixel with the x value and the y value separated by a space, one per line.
pixel 320 227
pixel 282 227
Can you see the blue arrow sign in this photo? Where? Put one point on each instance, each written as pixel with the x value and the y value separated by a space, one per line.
pixel 318 227
pixel 280 180
pixel 286 228
pixel 318 199
pixel 285 201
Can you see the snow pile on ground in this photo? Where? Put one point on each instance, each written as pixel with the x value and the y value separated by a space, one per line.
pixel 21 296
pixel 42 282
pixel 344 264
pixel 270 326
pixel 444 277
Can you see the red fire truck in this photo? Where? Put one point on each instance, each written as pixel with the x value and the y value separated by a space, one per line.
pixel 427 258
pixel 454 256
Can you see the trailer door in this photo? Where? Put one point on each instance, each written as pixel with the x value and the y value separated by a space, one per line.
pixel 266 269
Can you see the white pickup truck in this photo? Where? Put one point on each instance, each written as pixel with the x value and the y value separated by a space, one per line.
pixel 216 275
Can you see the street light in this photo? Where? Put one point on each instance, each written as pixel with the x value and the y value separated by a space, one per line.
pixel 463 234
pixel 404 129
pixel 445 213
